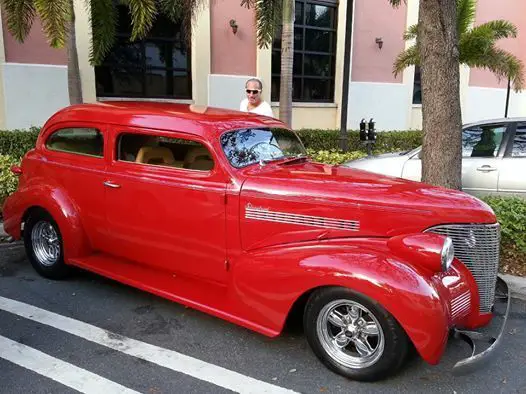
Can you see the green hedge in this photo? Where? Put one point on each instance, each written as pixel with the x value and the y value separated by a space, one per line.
pixel 8 180
pixel 386 141
pixel 511 213
pixel 16 143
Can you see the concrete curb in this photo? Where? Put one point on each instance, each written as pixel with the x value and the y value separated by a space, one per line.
pixel 517 284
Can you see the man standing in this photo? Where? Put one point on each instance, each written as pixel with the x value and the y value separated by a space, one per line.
pixel 253 102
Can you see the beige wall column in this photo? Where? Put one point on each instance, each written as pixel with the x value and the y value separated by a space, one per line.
pixel 264 71
pixel 83 32
pixel 2 62
pixel 340 59
pixel 201 55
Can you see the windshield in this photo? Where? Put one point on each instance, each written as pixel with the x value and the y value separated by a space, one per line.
pixel 248 146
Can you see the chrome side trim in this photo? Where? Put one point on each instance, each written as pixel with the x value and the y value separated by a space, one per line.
pixel 267 215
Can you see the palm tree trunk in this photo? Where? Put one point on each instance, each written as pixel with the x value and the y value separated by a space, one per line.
pixel 74 85
pixel 442 119
pixel 287 57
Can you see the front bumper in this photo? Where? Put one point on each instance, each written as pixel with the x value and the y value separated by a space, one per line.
pixel 476 361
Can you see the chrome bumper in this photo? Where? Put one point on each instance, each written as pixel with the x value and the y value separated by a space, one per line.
pixel 476 361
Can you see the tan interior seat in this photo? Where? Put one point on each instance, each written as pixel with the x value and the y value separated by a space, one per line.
pixel 198 158
pixel 155 155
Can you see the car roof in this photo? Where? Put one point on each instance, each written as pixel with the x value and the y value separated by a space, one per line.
pixel 496 120
pixel 189 118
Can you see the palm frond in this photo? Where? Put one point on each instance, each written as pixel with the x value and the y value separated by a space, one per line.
pixel 411 32
pixel 409 57
pixel 503 64
pixel 55 16
pixel 466 11
pixel 20 16
pixel 142 13
pixel 396 3
pixel 173 9
pixel 268 17
pixel 499 29
pixel 103 19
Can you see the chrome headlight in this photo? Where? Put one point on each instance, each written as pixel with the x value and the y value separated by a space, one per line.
pixel 447 254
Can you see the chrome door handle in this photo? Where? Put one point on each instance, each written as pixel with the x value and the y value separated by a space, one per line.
pixel 486 168
pixel 112 185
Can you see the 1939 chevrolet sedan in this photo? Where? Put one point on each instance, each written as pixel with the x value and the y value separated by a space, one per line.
pixel 223 212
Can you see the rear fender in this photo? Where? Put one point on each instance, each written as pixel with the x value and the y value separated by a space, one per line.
pixel 269 281
pixel 63 210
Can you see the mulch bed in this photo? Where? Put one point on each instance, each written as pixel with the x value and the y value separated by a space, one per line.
pixel 513 262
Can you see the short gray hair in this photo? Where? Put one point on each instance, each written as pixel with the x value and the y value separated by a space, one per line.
pixel 255 80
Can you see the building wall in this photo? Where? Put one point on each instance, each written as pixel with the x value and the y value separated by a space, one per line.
pixel 234 56
pixel 374 90
pixel 486 95
pixel 34 79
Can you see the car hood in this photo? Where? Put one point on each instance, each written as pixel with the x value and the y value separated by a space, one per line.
pixel 293 202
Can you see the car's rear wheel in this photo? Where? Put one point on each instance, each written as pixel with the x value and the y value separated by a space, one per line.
pixel 353 335
pixel 44 245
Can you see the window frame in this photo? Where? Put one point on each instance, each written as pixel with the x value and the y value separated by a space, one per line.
pixel 58 128
pixel 115 161
pixel 331 53
pixel 500 151
pixel 511 139
pixel 144 70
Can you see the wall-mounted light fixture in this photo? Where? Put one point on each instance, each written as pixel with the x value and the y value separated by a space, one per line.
pixel 233 25
pixel 379 42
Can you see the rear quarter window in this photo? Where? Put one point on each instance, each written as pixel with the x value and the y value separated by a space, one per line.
pixel 77 140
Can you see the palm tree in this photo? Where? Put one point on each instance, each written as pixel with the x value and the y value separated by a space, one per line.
pixel 270 15
pixel 437 52
pixel 58 21
pixel 477 46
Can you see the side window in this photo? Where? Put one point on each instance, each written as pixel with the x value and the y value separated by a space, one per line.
pixel 482 141
pixel 164 151
pixel 78 140
pixel 519 142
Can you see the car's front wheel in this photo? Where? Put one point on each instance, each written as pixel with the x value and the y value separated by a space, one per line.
pixel 44 245
pixel 353 335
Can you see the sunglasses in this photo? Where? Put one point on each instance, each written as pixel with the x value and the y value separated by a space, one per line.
pixel 255 91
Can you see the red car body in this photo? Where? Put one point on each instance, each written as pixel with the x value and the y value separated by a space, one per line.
pixel 250 244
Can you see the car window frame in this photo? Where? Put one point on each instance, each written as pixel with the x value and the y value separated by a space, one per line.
pixel 509 147
pixel 100 127
pixel 118 130
pixel 503 143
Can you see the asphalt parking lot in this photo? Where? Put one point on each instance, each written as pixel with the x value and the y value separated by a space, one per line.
pixel 89 334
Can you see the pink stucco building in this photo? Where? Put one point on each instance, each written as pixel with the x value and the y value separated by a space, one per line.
pixel 212 69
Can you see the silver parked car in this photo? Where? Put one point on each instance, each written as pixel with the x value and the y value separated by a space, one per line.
pixel 493 159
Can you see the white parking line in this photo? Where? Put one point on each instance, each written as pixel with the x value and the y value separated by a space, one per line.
pixel 164 357
pixel 61 371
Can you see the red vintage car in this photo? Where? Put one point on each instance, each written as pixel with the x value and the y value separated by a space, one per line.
pixel 222 211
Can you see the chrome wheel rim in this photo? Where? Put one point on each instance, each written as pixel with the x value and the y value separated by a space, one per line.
pixel 45 242
pixel 350 334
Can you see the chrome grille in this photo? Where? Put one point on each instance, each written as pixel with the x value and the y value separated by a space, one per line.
pixel 478 247
pixel 460 305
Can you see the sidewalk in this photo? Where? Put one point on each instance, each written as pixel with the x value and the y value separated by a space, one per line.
pixel 517 284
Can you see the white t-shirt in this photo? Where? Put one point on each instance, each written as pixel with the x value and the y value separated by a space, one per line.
pixel 262 109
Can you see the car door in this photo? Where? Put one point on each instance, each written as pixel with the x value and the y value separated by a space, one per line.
pixel 482 152
pixel 76 167
pixel 512 178
pixel 165 204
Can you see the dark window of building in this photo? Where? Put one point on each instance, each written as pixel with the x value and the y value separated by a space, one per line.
pixel 314 52
pixel 417 87
pixel 158 66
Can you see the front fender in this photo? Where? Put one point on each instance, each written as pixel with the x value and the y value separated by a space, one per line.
pixel 267 282
pixel 58 204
